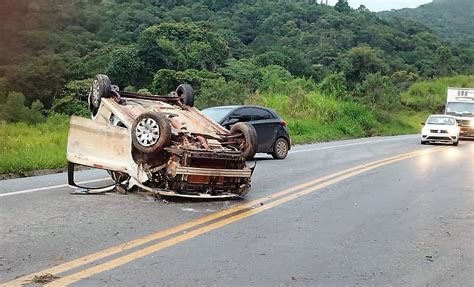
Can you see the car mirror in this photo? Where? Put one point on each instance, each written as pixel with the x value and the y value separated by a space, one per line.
pixel 422 124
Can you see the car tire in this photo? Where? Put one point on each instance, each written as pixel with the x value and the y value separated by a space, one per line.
pixel 280 149
pixel 100 88
pixel 151 132
pixel 186 94
pixel 249 146
pixel 423 142
pixel 456 143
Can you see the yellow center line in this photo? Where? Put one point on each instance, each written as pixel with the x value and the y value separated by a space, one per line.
pixel 207 228
pixel 191 224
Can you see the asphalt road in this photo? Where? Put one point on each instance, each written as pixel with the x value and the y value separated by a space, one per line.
pixel 369 212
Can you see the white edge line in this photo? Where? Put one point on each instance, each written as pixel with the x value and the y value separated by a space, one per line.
pixel 353 144
pixel 295 151
pixel 50 187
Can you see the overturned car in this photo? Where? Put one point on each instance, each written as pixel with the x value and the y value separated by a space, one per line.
pixel 161 144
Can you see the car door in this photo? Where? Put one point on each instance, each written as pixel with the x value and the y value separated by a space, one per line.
pixel 266 126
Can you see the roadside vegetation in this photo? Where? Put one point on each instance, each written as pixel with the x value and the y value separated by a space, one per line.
pixel 28 147
pixel 331 72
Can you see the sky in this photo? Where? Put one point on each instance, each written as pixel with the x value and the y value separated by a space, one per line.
pixel 381 5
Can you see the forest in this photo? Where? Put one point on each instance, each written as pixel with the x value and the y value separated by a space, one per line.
pixel 332 71
pixel 451 19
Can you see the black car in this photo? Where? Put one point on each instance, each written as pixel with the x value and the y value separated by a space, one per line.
pixel 272 134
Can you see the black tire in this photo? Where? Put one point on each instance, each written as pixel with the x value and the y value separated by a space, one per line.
pixel 100 88
pixel 151 132
pixel 186 94
pixel 249 145
pixel 423 142
pixel 280 149
pixel 456 143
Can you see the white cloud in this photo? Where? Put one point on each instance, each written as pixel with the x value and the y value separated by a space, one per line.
pixel 380 5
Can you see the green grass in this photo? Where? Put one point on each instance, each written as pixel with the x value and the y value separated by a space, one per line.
pixel 25 147
pixel 431 95
pixel 313 117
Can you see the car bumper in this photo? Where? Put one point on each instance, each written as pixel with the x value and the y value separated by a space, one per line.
pixel 438 137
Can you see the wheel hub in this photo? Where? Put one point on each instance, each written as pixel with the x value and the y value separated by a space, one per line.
pixel 147 132
pixel 281 148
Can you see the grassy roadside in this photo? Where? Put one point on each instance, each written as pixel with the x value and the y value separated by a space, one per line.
pixel 26 148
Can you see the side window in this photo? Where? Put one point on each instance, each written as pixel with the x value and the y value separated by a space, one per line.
pixel 261 114
pixel 243 115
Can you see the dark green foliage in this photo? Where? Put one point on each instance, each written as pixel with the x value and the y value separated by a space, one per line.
pixel 125 67
pixel 342 6
pixel 218 92
pixel 14 110
pixel 46 44
pixel 73 100
pixel 453 20
pixel 379 92
pixel 335 85
pixel 166 80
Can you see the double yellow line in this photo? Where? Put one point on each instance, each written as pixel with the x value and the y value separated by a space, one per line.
pixel 209 223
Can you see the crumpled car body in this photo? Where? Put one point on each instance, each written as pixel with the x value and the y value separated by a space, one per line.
pixel 161 144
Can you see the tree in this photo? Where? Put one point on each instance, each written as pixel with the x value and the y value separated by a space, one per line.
pixel 361 61
pixel 125 67
pixel 378 91
pixel 14 110
pixel 73 99
pixel 443 64
pixel 342 6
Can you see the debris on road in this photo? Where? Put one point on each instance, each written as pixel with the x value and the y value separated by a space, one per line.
pixel 44 278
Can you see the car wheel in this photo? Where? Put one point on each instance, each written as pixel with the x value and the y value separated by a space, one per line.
pixel 186 94
pixel 280 149
pixel 101 88
pixel 423 142
pixel 249 144
pixel 456 143
pixel 151 132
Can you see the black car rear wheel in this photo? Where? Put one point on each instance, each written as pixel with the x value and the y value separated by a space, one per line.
pixel 280 149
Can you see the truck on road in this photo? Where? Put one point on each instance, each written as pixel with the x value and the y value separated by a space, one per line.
pixel 460 104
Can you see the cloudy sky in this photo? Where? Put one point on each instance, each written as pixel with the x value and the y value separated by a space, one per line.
pixel 380 5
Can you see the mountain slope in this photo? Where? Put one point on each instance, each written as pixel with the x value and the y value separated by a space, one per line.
pixel 44 45
pixel 453 20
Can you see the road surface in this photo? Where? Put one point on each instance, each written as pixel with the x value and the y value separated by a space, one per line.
pixel 370 212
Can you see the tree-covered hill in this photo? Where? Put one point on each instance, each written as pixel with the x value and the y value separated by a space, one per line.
pixel 453 20
pixel 46 44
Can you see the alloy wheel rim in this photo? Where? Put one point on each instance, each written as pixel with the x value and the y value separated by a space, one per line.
pixel 281 148
pixel 147 132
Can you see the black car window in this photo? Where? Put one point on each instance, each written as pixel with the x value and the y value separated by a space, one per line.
pixel 261 114
pixel 243 115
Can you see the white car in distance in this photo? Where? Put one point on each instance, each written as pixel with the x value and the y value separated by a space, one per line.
pixel 440 129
